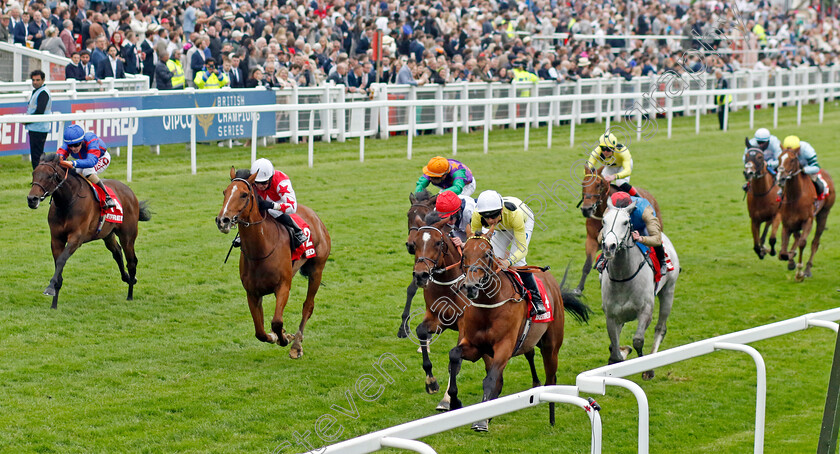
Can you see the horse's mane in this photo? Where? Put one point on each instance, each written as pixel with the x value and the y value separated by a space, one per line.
pixel 243 174
pixel 422 196
pixel 432 218
pixel 50 157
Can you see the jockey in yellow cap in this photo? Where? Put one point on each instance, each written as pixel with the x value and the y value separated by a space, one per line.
pixel 447 174
pixel 617 162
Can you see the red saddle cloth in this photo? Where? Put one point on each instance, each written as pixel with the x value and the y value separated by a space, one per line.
pixel 549 315
pixel 306 249
pixel 657 267
pixel 113 215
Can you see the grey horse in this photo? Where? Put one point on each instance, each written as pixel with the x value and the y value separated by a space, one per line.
pixel 628 289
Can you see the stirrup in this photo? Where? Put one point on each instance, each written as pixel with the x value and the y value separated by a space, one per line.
pixel 110 203
pixel 300 237
pixel 538 309
pixel 237 242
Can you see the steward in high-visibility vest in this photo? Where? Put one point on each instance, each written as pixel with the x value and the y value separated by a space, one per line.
pixel 520 75
pixel 177 70
pixel 210 78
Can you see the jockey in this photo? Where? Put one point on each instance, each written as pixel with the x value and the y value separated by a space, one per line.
pixel 514 223
pixel 770 145
pixel 646 227
pixel 91 157
pixel 618 164
pixel 808 161
pixel 276 195
pixel 457 210
pixel 447 174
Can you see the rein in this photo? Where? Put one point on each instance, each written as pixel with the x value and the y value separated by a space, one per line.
pixel 623 245
pixel 443 252
pixel 500 303
pixel 251 195
pixel 56 188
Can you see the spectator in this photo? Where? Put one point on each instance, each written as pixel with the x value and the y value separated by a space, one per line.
pixel 163 76
pixel 237 80
pixel 67 38
pixel 256 79
pixel 100 52
pixel 40 103
pixel 112 66
pixel 74 70
pixel 176 70
pixel 37 29
pixel 5 27
pixel 87 66
pixel 147 54
pixel 17 26
pixel 210 77
pixel 53 44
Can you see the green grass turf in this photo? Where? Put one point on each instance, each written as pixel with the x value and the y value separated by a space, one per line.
pixel 179 370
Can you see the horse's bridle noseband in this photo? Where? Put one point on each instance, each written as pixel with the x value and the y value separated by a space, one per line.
pixel 55 173
pixel 443 251
pixel 251 194
pixel 753 154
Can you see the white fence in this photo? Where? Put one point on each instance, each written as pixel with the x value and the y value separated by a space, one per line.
pixel 594 382
pixel 454 107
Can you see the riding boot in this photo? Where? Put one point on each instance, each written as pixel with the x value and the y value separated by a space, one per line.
pixel 820 187
pixel 536 299
pixel 628 189
pixel 660 255
pixel 287 220
pixel 109 202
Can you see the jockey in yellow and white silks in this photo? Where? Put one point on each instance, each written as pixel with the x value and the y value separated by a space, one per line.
pixel 617 162
pixel 514 224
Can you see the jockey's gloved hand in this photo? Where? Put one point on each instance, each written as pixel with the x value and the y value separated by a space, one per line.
pixel 277 206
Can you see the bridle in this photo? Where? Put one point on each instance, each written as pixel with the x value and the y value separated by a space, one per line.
pixel 752 158
pixel 418 205
pixel 485 280
pixel 625 243
pixel 443 251
pixel 55 174
pixel 597 196
pixel 251 195
pixel 790 176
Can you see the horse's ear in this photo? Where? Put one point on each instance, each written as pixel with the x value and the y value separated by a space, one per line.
pixel 489 234
pixel 252 178
pixel 610 205
pixel 747 142
pixel 232 172
pixel 631 207
pixel 412 198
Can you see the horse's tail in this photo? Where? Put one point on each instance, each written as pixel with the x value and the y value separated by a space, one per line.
pixel 145 212
pixel 572 302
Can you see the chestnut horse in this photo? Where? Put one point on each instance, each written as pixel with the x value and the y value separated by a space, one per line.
pixel 762 203
pixel 265 264
pixel 596 191
pixel 74 219
pixel 496 325
pixel 422 203
pixel 798 211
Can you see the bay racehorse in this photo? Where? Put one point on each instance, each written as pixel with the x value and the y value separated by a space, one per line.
pixel 496 325
pixel 265 264
pixel 74 219
pixel 628 290
pixel 422 203
pixel 762 200
pixel 437 272
pixel 596 192
pixel 798 211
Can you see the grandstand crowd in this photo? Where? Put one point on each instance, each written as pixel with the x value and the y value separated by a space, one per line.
pixel 283 43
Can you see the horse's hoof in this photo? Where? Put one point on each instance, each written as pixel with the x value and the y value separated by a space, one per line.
pixel 772 252
pixel 625 352
pixel 49 291
pixel 791 266
pixel 443 406
pixel 272 338
pixel 783 256
pixel 432 386
pixel 455 404
pixel 402 333
pixel 285 339
pixel 762 254
pixel 481 426
pixel 296 352
pixel 536 384
pixel 800 276
pixel 577 292
pixel 808 274
pixel 647 375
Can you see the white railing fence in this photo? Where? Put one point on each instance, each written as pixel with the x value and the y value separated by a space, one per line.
pixel 526 110
pixel 595 382
pixel 16 62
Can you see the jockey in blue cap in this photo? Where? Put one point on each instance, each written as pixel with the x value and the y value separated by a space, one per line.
pixel 90 154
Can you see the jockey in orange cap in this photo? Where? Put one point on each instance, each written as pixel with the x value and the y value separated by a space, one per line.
pixel 458 211
pixel 447 174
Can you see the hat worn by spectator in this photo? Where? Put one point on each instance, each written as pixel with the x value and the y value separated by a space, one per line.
pixel 583 62
pixel 236 34
pixel 228 15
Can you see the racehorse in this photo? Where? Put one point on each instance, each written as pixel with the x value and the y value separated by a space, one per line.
pixel 762 201
pixel 798 211
pixel 74 219
pixel 265 264
pixel 422 203
pixel 628 290
pixel 496 325
pixel 596 192
pixel 437 272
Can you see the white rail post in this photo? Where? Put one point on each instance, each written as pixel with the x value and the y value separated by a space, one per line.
pixel 294 115
pixel 487 125
pixel 822 102
pixel 752 108
pixel 192 145
pixel 527 125
pixel 455 131
pixel 254 119
pixel 551 108
pixel 129 149
pixel 513 106
pixel 697 113
pixel 362 147
pixel 311 144
pixel 578 102
pixel 669 113
pixel 465 108
pixel 535 110
pixel 598 103
pixel 383 112
pixel 341 117
pixel 412 118
pixel 439 110
pixel 326 115
pixel 725 114
pixel 556 92
pixel 778 99
pixel 761 389
pixel 572 127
